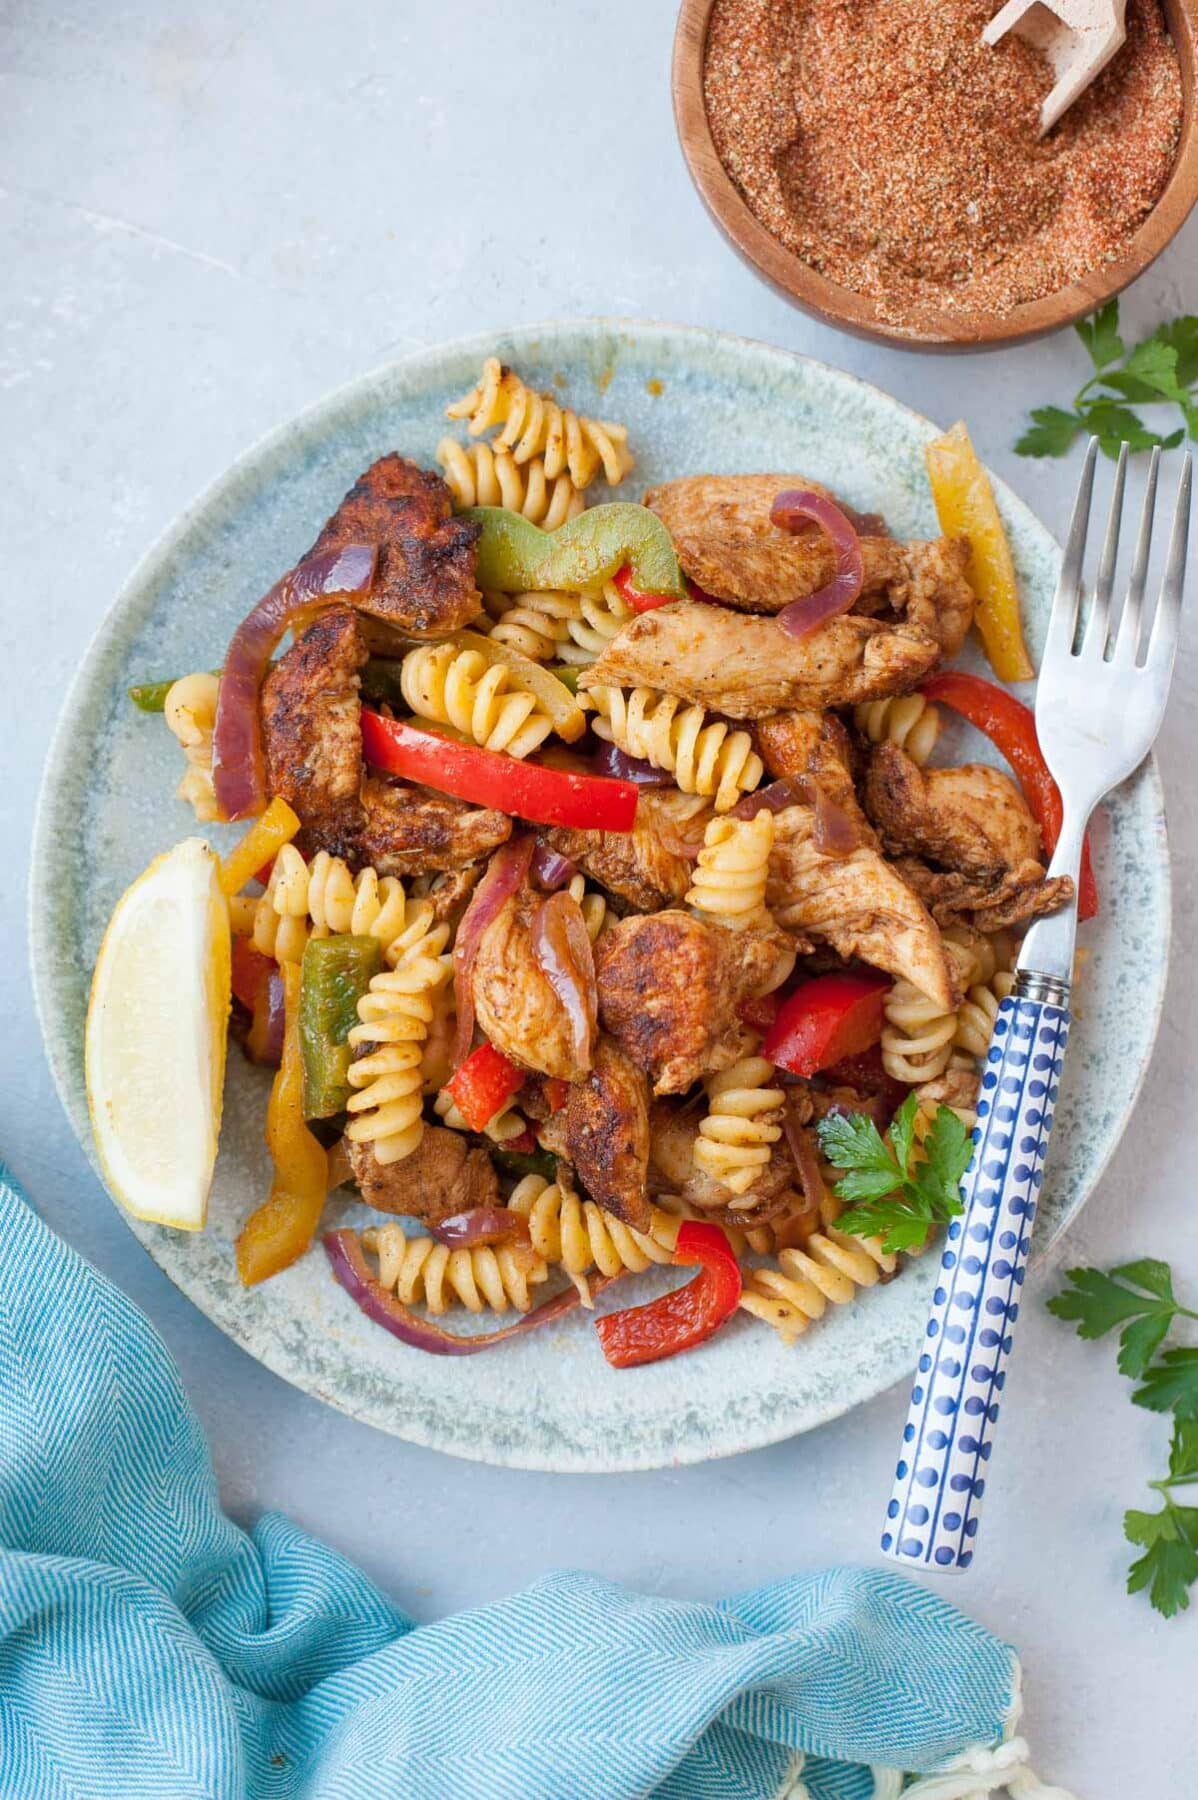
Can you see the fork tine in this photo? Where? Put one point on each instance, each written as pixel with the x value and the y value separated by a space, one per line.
pixel 1095 641
pixel 1128 641
pixel 1062 621
pixel 1162 645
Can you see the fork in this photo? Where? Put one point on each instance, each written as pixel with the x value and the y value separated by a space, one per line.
pixel 1099 704
pixel 1078 38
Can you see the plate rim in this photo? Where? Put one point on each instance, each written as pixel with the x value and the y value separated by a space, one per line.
pixel 55 771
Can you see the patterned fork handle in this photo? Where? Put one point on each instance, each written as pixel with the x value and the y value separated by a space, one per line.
pixel 941 1475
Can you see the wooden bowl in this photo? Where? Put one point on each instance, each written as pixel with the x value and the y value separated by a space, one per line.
pixel 835 305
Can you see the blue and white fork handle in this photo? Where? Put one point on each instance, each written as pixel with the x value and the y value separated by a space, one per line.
pixel 955 1402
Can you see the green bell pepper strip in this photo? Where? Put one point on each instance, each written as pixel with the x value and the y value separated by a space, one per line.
pixel 514 555
pixel 524 1162
pixel 150 696
pixel 336 972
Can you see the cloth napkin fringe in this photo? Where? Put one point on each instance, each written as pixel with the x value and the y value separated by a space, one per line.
pixel 982 1771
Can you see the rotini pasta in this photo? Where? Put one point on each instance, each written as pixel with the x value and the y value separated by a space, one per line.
pixel 827 1271
pixel 579 1236
pixel 535 425
pixel 536 624
pixel 479 475
pixel 918 1036
pixel 480 1278
pixel 705 756
pixel 744 1118
pixel 508 1123
pixel 190 711
pixel 436 1064
pixel 907 720
pixel 591 904
pixel 729 878
pixel 386 1074
pixel 602 611
pixel 975 1021
pixel 457 687
pixel 321 897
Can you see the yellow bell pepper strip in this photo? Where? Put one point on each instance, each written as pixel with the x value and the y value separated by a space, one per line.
pixel 569 720
pixel 335 973
pixel 965 507
pixel 282 1228
pixel 259 847
pixel 514 555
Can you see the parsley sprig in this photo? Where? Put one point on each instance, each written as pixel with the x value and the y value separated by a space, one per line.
pixel 1138 1299
pixel 897 1189
pixel 1161 369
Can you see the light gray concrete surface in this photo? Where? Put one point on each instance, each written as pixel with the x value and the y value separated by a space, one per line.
pixel 209 216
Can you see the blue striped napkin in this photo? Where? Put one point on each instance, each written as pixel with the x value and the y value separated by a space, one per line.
pixel 148 1647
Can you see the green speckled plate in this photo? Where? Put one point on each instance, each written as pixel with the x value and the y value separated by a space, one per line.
pixel 694 401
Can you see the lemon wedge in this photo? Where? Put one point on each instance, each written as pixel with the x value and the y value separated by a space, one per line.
pixel 155 1040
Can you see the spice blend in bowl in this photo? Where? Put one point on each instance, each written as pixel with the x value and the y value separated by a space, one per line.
pixel 885 149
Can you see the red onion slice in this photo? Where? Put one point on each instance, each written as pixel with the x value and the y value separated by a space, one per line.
pixel 351 1270
pixel 836 832
pixel 806 1159
pixel 775 798
pixel 238 774
pixel 562 949
pixel 792 508
pixel 481 1225
pixel 507 869
pixel 609 759
pixel 551 868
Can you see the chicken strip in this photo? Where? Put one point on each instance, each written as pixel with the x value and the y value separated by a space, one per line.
pixel 642 866
pixel 859 904
pixel 607 1134
pixel 514 1002
pixel 973 819
pixel 721 529
pixel 815 748
pixel 669 985
pixel 745 666
pixel 443 1176
pixel 1015 899
pixel 673 1129
pixel 310 718
pixel 424 585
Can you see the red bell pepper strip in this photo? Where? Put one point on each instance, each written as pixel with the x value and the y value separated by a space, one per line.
pixel 826 1019
pixel 1011 728
pixel 686 1316
pixel 484 1084
pixel 636 597
pixel 251 971
pixel 487 778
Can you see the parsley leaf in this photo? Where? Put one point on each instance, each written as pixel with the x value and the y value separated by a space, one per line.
pixel 1183 1451
pixel 1169 1565
pixel 1162 369
pixel 1139 1291
pixel 897 1190
pixel 1171 1385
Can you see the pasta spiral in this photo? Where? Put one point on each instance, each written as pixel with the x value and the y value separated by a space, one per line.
pixel 321 898
pixel 729 879
pixel 744 1118
pixel 918 1036
pixel 535 425
pixel 508 1123
pixel 975 1021
pixel 704 756
pixel 537 624
pixel 386 1074
pixel 602 611
pixel 578 1236
pixel 477 475
pixel 479 1278
pixel 457 687
pixel 190 711
pixel 828 1270
pixel 907 720
pixel 592 905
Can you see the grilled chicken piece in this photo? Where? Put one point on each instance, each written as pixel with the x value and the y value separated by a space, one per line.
pixel 956 899
pixel 641 866
pixel 450 893
pixel 721 529
pixel 515 1005
pixel 957 1088
pixel 442 1176
pixel 669 985
pixel 859 904
pixel 672 1133
pixel 972 819
pixel 310 730
pixel 745 666
pixel 812 747
pixel 407 830
pixel 935 596
pixel 607 1134
pixel 425 583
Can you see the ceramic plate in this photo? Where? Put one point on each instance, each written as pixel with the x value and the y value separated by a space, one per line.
pixel 694 401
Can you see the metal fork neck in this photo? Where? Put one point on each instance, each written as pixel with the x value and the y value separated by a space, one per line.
pixel 1046 954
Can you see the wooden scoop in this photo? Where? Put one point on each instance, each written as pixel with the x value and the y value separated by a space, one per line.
pixel 1079 38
